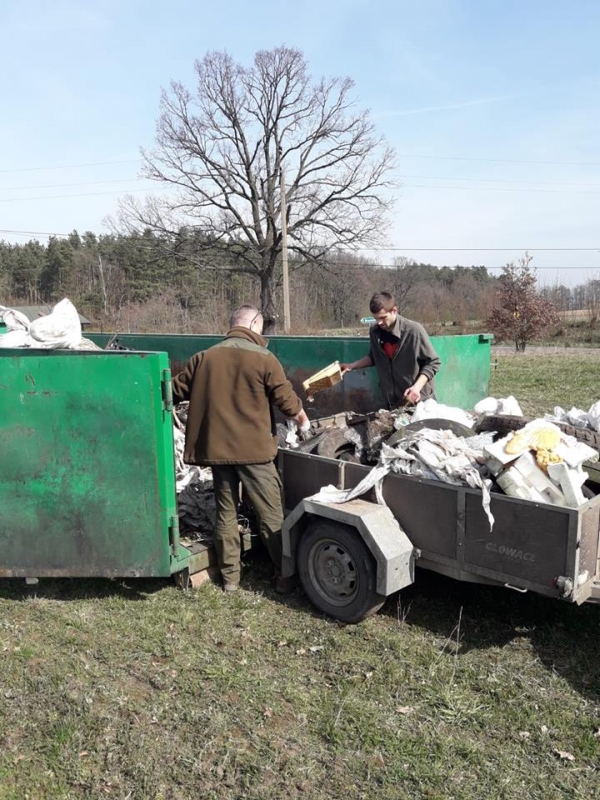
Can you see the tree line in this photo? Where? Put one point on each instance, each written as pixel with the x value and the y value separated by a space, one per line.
pixel 136 282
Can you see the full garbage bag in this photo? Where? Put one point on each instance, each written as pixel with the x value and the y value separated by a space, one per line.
pixel 14 320
pixel 15 339
pixel 58 330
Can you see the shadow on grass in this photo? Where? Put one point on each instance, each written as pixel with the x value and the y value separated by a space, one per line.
pixel 66 589
pixel 475 617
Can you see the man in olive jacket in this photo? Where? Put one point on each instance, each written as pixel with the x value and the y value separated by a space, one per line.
pixel 233 388
pixel 402 352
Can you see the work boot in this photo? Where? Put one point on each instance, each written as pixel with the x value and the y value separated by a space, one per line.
pixel 230 587
pixel 285 585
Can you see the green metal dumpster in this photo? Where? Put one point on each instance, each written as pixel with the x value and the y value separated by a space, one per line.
pixel 462 381
pixel 87 480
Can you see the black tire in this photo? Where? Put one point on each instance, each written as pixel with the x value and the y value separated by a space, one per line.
pixel 435 424
pixel 501 423
pixel 504 424
pixel 337 571
pixel 589 437
pixel 334 444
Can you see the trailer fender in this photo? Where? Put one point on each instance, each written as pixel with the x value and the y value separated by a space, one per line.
pixel 390 546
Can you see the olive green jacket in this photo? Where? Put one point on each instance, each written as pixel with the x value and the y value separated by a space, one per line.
pixel 233 388
pixel 415 356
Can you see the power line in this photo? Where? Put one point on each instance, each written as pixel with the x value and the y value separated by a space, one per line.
pixel 147 248
pixel 503 160
pixel 500 189
pixel 500 180
pixel 69 166
pixel 83 194
pixel 65 185
pixel 586 186
pixel 395 249
pixel 478 249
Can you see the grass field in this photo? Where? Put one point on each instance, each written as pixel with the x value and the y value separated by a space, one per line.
pixel 131 689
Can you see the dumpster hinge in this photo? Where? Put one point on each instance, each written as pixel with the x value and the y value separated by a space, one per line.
pixel 167 390
pixel 174 535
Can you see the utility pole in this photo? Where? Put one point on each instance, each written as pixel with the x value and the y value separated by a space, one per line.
pixel 284 256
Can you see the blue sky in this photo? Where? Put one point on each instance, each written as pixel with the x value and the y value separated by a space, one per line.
pixel 493 108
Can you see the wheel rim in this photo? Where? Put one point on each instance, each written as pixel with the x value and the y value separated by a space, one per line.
pixel 332 572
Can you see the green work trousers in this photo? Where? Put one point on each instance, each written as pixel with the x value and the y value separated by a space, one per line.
pixel 262 487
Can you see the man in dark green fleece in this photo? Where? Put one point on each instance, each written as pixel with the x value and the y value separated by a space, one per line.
pixel 402 352
pixel 233 389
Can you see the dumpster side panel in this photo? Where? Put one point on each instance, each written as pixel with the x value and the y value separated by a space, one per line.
pixel 462 381
pixel 86 486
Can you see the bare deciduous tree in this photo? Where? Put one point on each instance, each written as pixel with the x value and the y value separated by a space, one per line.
pixel 222 150
pixel 404 279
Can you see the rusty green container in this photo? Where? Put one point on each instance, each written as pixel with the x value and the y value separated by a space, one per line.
pixel 462 380
pixel 87 477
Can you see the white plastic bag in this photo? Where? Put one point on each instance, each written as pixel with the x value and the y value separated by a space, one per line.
pixel 14 320
pixel 594 417
pixel 61 329
pixel 431 409
pixel 15 339
pixel 504 405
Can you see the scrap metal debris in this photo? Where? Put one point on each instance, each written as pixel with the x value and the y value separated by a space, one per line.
pixel 195 494
pixel 194 487
pixel 433 454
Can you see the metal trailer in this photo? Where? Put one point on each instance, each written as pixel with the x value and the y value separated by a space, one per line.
pixel 350 557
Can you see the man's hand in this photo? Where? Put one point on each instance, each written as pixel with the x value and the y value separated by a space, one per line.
pixel 302 421
pixel 413 394
pixel 360 364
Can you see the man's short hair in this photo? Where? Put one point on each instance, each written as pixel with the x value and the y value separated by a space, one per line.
pixel 244 316
pixel 382 301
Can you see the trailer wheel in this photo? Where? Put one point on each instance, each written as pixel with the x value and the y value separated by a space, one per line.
pixel 337 571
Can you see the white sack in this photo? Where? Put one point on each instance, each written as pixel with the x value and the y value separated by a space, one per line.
pixel 14 320
pixel 594 417
pixel 15 339
pixel 431 409
pixel 503 405
pixel 61 329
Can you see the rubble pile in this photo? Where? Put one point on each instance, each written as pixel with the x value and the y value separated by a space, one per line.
pixel 539 461
pixel 195 496
pixel 194 486
pixel 433 454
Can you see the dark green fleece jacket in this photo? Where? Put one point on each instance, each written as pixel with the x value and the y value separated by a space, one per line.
pixel 232 388
pixel 415 356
